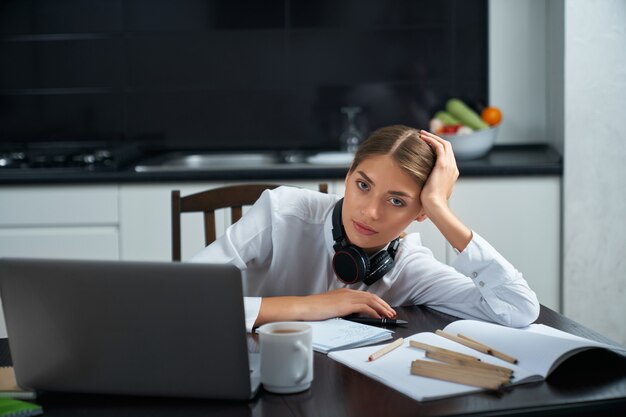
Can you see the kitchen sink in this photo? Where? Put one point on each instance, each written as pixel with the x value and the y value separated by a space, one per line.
pixel 179 161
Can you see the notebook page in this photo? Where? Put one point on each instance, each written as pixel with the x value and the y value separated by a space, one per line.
pixel 342 334
pixel 394 368
pixel 538 352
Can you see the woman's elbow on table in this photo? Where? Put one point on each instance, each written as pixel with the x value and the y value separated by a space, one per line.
pixel 524 313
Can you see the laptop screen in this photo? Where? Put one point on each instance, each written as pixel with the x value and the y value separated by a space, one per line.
pixel 119 327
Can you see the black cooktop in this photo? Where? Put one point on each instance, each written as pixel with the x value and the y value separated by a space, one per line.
pixel 89 156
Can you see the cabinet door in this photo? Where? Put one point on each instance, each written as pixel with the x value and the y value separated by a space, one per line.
pixel 65 242
pixel 60 242
pixel 73 222
pixel 145 219
pixel 56 206
pixel 145 222
pixel 520 217
pixel 78 222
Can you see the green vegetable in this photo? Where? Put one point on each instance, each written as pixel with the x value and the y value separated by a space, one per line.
pixel 446 118
pixel 466 116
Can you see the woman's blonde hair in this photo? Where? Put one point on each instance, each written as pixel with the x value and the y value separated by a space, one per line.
pixel 404 145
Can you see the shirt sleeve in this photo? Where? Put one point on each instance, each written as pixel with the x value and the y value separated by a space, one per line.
pixel 509 298
pixel 251 306
pixel 481 284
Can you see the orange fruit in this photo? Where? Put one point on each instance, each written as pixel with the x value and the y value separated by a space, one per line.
pixel 491 115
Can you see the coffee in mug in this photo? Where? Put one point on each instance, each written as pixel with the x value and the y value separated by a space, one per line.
pixel 282 331
pixel 286 356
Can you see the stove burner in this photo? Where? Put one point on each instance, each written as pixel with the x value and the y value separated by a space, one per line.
pixel 84 158
pixel 12 159
pixel 88 160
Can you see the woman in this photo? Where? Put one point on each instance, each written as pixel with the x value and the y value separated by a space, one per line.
pixel 311 256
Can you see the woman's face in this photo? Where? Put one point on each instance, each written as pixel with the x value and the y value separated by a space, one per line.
pixel 380 202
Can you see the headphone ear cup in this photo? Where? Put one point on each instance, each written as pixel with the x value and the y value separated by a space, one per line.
pixel 351 264
pixel 380 264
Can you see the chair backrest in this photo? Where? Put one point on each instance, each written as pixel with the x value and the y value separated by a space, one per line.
pixel 233 197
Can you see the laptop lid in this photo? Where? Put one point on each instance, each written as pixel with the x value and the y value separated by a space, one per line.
pixel 120 327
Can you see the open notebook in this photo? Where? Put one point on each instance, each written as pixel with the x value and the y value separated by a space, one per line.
pixel 337 334
pixel 138 328
pixel 539 349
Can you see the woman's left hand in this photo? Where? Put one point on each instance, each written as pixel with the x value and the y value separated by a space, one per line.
pixel 441 180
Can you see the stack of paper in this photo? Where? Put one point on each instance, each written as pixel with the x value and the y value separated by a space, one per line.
pixel 337 334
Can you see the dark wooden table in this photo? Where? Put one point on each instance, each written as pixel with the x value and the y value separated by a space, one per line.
pixel 591 383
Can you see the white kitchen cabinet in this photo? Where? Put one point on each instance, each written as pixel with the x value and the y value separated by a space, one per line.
pixel 74 222
pixel 520 217
pixel 81 242
pixel 78 222
pixel 145 219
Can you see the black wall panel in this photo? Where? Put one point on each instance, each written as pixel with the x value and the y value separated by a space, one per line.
pixel 217 74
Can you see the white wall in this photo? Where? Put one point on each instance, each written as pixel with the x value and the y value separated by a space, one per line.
pixel 555 58
pixel 558 71
pixel 595 165
pixel 517 68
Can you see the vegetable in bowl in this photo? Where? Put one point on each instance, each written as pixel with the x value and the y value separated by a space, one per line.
pixel 471 135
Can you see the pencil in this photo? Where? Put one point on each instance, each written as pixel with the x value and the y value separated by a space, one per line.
pixel 386 349
pixel 453 360
pixel 465 342
pixel 492 351
pixel 452 357
pixel 470 343
pixel 458 374
pixel 430 348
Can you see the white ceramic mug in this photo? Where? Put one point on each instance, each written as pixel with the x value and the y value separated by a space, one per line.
pixel 286 356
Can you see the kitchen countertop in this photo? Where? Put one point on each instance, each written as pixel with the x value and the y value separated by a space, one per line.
pixel 503 160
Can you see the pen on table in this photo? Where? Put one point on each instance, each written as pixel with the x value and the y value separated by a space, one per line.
pixel 377 322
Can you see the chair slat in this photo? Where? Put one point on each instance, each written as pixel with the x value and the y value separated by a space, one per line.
pixel 234 196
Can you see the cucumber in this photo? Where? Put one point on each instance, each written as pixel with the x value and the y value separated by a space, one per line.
pixel 465 115
pixel 446 118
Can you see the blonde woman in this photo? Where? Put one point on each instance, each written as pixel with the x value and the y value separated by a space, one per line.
pixel 305 255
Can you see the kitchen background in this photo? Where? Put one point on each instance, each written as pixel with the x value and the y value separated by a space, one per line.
pixel 232 74
pixel 128 73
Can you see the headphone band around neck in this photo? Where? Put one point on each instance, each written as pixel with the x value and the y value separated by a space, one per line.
pixel 338 230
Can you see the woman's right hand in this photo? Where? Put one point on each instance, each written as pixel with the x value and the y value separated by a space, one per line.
pixel 437 190
pixel 344 301
pixel 441 181
pixel 335 303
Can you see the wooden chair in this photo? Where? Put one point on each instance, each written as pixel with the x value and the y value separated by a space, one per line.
pixel 233 197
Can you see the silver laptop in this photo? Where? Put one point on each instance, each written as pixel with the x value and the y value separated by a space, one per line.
pixel 119 327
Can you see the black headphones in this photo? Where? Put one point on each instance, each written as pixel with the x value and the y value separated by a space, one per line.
pixel 351 263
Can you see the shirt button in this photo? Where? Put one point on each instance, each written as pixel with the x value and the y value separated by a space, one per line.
pixel 474 274
pixel 481 283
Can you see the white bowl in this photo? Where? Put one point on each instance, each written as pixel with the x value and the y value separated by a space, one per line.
pixel 331 158
pixel 473 145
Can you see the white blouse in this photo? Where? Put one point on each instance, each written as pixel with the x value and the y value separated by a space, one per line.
pixel 284 246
